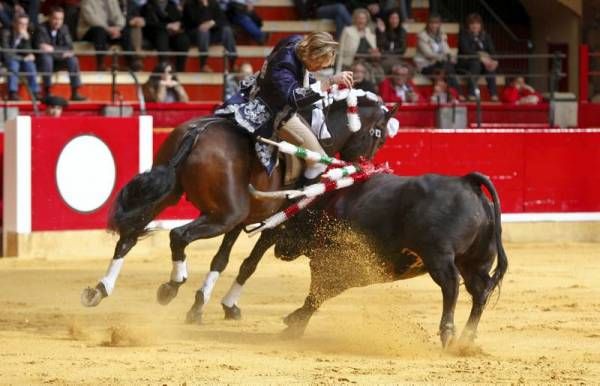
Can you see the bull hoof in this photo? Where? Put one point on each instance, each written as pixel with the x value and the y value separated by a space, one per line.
pixel 194 315
pixel 293 332
pixel 295 317
pixel 91 297
pixel 167 292
pixel 232 313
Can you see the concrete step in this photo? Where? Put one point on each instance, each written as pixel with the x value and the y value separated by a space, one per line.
pixel 255 54
pixel 285 10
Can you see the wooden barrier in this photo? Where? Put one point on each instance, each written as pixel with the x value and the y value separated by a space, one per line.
pixel 61 174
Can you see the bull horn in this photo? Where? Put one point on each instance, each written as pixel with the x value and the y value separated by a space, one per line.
pixel 261 195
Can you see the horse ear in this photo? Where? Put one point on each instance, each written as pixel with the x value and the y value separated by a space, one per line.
pixel 392 112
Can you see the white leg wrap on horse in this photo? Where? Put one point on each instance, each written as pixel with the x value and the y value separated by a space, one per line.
pixel 233 295
pixel 112 273
pixel 179 272
pixel 209 284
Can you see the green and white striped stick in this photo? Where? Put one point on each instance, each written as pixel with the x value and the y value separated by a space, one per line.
pixel 300 152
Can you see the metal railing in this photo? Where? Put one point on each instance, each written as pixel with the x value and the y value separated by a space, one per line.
pixel 553 76
pixel 116 55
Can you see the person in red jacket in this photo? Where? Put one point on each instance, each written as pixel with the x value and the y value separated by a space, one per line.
pixel 398 87
pixel 517 92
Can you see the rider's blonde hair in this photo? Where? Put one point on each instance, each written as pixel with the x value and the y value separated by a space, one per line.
pixel 317 47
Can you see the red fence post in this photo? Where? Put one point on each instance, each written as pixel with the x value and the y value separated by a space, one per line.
pixel 584 70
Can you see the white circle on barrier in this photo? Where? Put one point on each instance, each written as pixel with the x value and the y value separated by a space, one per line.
pixel 85 173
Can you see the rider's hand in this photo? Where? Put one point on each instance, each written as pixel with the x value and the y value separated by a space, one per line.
pixel 345 77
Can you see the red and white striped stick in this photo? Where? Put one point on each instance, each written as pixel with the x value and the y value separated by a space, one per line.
pixel 311 192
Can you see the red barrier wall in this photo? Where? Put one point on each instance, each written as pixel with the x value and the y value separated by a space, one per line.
pixel 533 170
pixel 49 136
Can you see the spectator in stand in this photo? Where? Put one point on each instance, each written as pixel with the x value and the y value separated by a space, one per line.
pixel 476 42
pixel 134 23
pixel 398 87
pixel 10 8
pixel 18 38
pixel 71 9
pixel 233 81
pixel 102 22
pixel 433 53
pixel 242 14
pixel 163 86
pixel 54 39
pixel 391 38
pixel 164 29
pixel 441 92
pixel 517 92
pixel 358 40
pixel 206 24
pixel 325 9
pixel 360 82
pixel 406 9
pixel 375 8
pixel 54 105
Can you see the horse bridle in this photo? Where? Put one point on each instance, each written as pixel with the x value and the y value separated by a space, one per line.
pixel 375 133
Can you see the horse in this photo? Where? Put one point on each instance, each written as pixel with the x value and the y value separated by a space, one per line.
pixel 393 228
pixel 212 162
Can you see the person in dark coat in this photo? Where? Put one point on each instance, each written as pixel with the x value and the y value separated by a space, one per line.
pixel 54 105
pixel 54 39
pixel 10 8
pixel 325 9
pixel 19 62
pixel 476 42
pixel 391 38
pixel 206 24
pixel 164 29
pixel 243 14
pixel 270 102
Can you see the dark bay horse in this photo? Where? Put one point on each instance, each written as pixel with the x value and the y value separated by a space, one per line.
pixel 391 228
pixel 212 162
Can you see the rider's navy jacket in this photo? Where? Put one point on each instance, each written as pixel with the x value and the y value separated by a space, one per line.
pixel 262 105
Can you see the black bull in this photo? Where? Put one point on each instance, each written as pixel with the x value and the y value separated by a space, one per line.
pixel 391 228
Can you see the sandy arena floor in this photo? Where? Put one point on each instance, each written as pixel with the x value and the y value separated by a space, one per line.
pixel 545 327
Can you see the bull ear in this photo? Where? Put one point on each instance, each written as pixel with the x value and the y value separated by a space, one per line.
pixel 392 112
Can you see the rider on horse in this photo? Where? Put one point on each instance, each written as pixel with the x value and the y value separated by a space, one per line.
pixel 268 103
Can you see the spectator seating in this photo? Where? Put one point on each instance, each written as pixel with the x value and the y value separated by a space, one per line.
pixel 280 20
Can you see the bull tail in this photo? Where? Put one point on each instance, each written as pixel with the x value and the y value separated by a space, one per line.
pixel 137 202
pixel 502 261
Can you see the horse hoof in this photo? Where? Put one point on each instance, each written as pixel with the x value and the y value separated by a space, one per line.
pixel 91 297
pixel 193 316
pixel 232 313
pixel 166 292
pixel 447 337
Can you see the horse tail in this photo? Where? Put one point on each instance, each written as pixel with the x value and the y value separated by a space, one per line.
pixel 137 202
pixel 502 261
